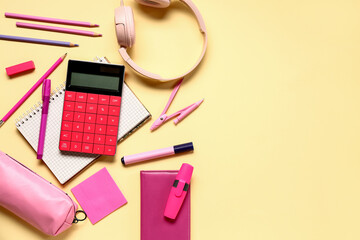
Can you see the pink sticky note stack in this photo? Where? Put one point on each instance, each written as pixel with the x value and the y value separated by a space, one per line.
pixel 99 195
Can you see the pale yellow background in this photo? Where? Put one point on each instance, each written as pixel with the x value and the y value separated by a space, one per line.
pixel 276 140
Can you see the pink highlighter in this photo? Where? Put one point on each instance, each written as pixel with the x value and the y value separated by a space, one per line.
pixel 178 191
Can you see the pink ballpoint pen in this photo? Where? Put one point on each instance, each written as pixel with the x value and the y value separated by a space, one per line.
pixel 181 113
pixel 45 110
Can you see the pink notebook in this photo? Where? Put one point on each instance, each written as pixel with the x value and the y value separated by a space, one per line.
pixel 155 189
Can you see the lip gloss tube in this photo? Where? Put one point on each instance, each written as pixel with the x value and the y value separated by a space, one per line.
pixel 140 157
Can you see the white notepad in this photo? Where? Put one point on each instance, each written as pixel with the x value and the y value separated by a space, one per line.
pixel 65 165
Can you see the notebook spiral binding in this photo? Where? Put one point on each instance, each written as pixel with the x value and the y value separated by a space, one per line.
pixel 22 119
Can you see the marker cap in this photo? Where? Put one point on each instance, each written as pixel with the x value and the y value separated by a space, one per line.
pixel 185 172
pixel 186 147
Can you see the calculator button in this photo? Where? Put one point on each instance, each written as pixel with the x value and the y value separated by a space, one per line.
pixel 79 117
pixel 100 129
pixel 89 128
pixel 115 111
pixel 81 97
pixel 80 107
pixel 75 147
pixel 70 96
pixel 90 118
pixel 91 108
pixel 76 137
pixel 92 98
pixel 110 140
pixel 87 148
pixel 110 150
pixel 98 149
pixel 103 99
pixel 102 109
pixel 112 130
pixel 78 127
pixel 69 106
pixel 68 116
pixel 65 136
pixel 88 138
pixel 99 139
pixel 64 146
pixel 115 101
pixel 101 119
pixel 112 120
pixel 66 126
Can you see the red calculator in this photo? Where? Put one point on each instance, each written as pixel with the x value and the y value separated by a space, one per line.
pixel 91 112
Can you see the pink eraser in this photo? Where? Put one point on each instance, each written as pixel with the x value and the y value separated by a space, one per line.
pixel 19 68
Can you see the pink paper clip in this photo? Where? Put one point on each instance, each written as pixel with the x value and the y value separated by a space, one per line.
pixel 181 114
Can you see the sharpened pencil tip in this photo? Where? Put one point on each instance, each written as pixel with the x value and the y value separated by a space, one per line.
pixel 76 45
pixel 96 25
pixel 64 56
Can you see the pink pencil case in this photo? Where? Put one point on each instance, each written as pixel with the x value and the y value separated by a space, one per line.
pixel 34 199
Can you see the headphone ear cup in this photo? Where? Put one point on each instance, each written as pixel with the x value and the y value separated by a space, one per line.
pixel 155 3
pixel 129 26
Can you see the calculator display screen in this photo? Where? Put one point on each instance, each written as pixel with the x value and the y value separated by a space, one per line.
pixel 94 81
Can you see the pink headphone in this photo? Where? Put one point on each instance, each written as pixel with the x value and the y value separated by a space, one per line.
pixel 125 32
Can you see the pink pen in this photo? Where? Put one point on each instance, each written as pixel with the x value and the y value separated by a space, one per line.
pixel 45 110
pixel 178 191
pixel 158 153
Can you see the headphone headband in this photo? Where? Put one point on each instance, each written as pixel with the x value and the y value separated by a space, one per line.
pixel 148 74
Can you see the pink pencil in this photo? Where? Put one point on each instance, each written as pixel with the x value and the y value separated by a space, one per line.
pixel 57 29
pixel 50 20
pixel 36 85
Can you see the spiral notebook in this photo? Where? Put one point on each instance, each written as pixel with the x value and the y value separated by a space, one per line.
pixel 65 165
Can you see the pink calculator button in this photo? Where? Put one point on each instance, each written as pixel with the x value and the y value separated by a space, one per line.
pixel 65 136
pixel 81 97
pixel 98 149
pixel 90 118
pixel 100 129
pixel 115 101
pixel 112 120
pixel 69 106
pixel 66 126
pixel 78 127
pixel 99 139
pixel 101 119
pixel 79 117
pixel 70 96
pixel 80 107
pixel 115 111
pixel 76 137
pixel 110 140
pixel 88 138
pixel 109 150
pixel 92 98
pixel 64 146
pixel 75 147
pixel 89 128
pixel 91 108
pixel 68 116
pixel 87 147
pixel 102 109
pixel 112 130
pixel 103 99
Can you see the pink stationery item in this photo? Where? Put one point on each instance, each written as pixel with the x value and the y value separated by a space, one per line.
pixel 158 153
pixel 32 89
pixel 57 29
pixel 155 188
pixel 178 191
pixel 181 114
pixel 50 20
pixel 20 68
pixel 99 195
pixel 34 199
pixel 44 113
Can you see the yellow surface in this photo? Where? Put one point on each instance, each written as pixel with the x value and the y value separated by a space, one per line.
pixel 276 139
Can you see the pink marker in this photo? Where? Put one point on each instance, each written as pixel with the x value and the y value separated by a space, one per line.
pixel 45 109
pixel 186 147
pixel 178 191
